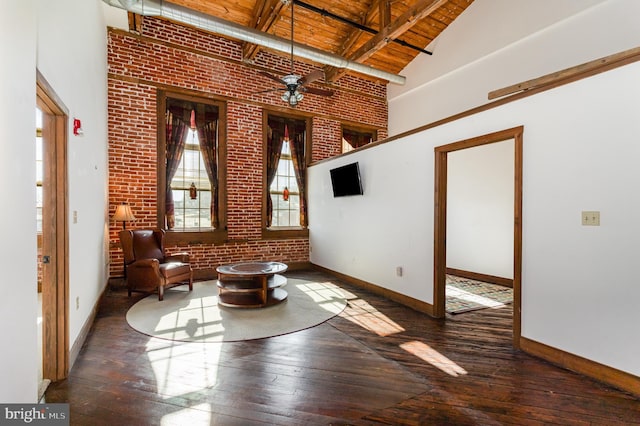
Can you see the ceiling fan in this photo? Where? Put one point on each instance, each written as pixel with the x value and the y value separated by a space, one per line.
pixel 295 84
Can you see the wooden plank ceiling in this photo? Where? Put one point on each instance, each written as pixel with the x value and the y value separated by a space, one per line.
pixel 389 33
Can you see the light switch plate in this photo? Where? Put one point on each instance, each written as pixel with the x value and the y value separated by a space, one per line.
pixel 590 218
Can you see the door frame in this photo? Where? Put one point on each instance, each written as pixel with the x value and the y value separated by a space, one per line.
pixel 440 220
pixel 55 240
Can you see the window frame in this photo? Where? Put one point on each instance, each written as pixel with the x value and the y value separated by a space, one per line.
pixel 213 236
pixel 282 232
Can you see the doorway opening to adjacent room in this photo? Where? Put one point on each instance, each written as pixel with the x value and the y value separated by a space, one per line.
pixel 440 219
pixel 53 233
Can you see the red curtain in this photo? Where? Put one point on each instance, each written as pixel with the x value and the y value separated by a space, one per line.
pixel 208 137
pixel 177 128
pixel 297 136
pixel 356 139
pixel 275 136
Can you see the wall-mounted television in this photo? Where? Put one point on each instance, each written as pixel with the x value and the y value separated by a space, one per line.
pixel 345 180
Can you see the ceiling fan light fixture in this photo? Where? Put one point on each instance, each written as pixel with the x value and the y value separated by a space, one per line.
pixel 292 98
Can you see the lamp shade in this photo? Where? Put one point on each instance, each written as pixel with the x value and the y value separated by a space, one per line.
pixel 123 213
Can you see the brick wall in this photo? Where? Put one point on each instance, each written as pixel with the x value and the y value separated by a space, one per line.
pixel 173 57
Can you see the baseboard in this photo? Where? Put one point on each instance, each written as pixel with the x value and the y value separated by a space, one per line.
pixel 491 279
pixel 602 373
pixel 74 351
pixel 407 301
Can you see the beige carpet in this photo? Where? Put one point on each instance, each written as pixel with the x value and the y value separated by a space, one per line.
pixel 196 317
pixel 465 295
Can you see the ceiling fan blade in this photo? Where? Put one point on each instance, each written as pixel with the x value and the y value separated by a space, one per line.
pixel 272 77
pixel 312 76
pixel 321 92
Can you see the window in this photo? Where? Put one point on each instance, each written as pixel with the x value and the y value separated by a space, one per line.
pixel 355 138
pixel 191 180
pixel 191 189
pixel 287 157
pixel 284 191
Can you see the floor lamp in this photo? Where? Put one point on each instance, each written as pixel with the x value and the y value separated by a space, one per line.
pixel 123 214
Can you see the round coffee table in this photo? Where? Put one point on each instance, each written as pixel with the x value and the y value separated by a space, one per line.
pixel 251 284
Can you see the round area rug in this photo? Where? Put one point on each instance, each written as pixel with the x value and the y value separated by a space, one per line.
pixel 195 316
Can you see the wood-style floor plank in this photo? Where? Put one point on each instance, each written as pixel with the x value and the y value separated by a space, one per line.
pixel 376 363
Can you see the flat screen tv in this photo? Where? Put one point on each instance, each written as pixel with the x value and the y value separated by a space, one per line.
pixel 345 180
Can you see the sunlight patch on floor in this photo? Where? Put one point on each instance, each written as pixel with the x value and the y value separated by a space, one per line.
pixel 173 376
pixel 326 294
pixel 366 316
pixel 465 295
pixel 197 415
pixel 433 357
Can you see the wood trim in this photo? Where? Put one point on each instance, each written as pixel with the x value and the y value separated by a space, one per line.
pixel 602 373
pixel 407 301
pixel 439 233
pixel 55 289
pixel 218 235
pixel 48 96
pixel 574 73
pixel 276 232
pixel 491 279
pixel 517 237
pixel 440 219
pixel 174 238
pixel 284 233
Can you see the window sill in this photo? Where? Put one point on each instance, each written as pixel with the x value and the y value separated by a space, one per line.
pixel 195 237
pixel 282 232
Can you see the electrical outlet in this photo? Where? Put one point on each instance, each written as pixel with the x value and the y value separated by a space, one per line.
pixel 77 302
pixel 399 271
pixel 75 216
pixel 590 218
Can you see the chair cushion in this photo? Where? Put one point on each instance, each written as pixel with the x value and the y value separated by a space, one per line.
pixel 174 269
pixel 146 246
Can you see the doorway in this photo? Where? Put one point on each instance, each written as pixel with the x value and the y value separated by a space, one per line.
pixel 440 220
pixel 53 234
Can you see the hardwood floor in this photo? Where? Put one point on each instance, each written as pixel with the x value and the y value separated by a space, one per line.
pixel 376 363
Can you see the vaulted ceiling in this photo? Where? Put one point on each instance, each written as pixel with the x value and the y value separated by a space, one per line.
pixel 384 34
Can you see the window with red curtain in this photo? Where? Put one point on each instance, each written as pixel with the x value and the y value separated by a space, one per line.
pixel 285 167
pixel 192 164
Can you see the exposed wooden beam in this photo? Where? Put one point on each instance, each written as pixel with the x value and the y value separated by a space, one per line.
pixel 332 73
pixel 384 8
pixel 412 16
pixel 265 14
pixel 135 22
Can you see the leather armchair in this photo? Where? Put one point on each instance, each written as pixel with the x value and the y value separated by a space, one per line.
pixel 147 267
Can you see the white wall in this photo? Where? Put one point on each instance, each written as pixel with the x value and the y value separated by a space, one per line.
pixel 480 186
pixel 18 286
pixel 67 44
pixel 581 152
pixel 497 43
pixel 72 56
